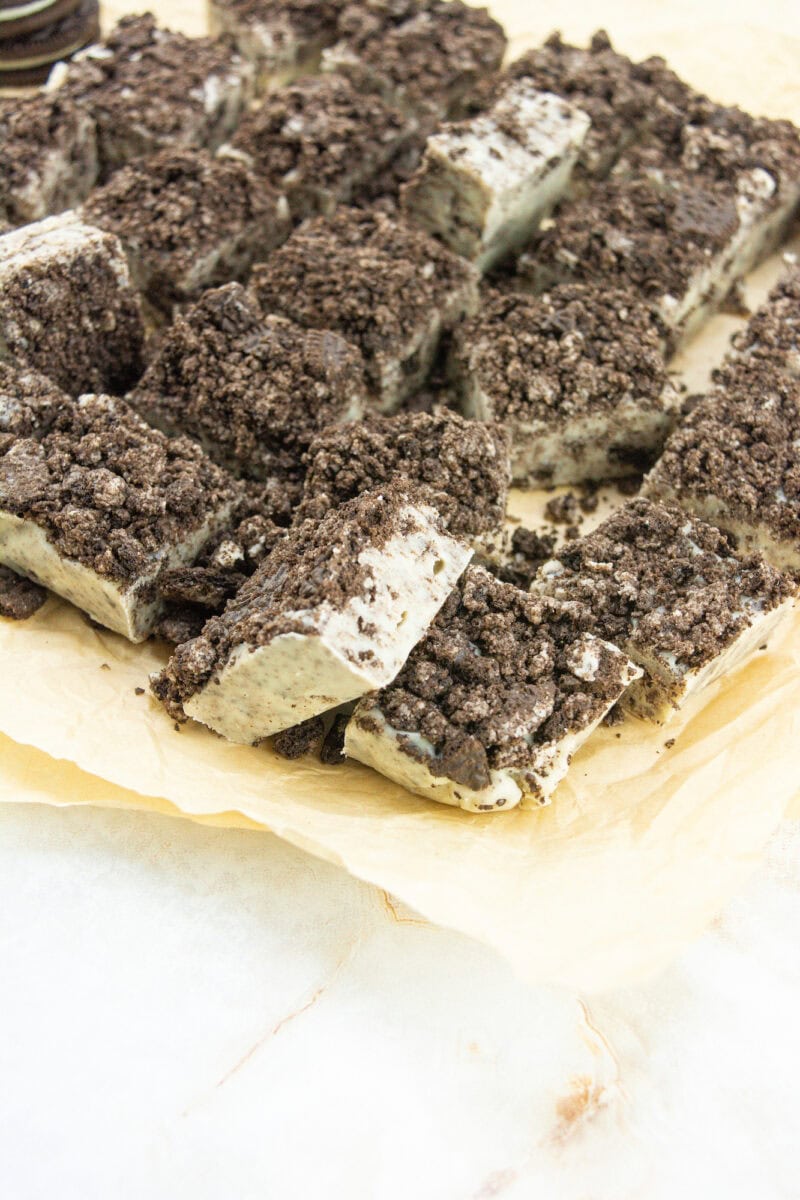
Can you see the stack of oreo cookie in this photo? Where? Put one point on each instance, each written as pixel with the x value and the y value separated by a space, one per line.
pixel 34 34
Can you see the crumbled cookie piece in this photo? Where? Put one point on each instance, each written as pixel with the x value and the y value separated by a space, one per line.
pixel 94 503
pixel 671 593
pixel 576 375
pixel 20 598
pixel 148 89
pixel 332 613
pixel 299 739
pixel 388 288
pixel 187 222
pixel 282 39
pixel 491 705
pixel 67 307
pixel 459 467
pixel 254 390
pixel 320 142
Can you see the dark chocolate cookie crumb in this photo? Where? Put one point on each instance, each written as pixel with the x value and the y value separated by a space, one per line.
pixel 300 739
pixel 20 598
pixel 332 750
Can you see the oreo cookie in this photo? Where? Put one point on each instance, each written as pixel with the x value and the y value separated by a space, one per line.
pixel 22 17
pixel 27 57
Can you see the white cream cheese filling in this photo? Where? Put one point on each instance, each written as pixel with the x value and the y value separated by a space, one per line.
pixel 261 690
pixel 484 192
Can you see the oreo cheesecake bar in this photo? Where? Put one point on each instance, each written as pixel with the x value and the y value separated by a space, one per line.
pixel 461 468
pixel 386 287
pixel 620 97
pixel 94 503
pixel 49 157
pixel 254 390
pixel 331 614
pixel 577 376
pixel 490 707
pixel 67 306
pixel 485 184
pixel 318 141
pixel 282 39
pixel 733 461
pixel 187 222
pixel 425 56
pixel 683 217
pixel 149 89
pixel 39 33
pixel 671 593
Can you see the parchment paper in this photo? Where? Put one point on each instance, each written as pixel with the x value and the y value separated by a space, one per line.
pixel 642 845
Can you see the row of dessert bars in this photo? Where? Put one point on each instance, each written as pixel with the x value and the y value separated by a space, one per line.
pixel 278 495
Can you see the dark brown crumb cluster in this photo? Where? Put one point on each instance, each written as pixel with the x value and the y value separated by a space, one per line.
pixel 285 18
pixel 605 85
pixel 527 551
pixel 577 349
pixel 318 736
pixel 176 209
pixel 65 311
pixel 427 55
pixel 460 467
pixel 197 592
pixel 500 674
pixel 254 390
pixel 373 279
pixel 33 129
pixel 642 232
pixel 769 345
pixel 145 89
pixel 106 489
pixel 661 585
pixel 316 563
pixel 739 446
pixel 20 598
pixel 319 140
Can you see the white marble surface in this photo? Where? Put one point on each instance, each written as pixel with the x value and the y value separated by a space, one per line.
pixel 210 1013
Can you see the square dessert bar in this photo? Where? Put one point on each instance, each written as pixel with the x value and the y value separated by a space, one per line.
pixel 282 39
pixel 94 503
pixel 388 288
pixel 671 593
pixel 620 97
pixel 461 468
pixel 49 156
pixel 485 184
pixel 734 460
pixel 424 55
pixel 188 221
pixel 254 390
pixel 576 375
pixel 148 89
pixel 683 217
pixel 490 707
pixel 67 306
pixel 331 614
pixel 319 140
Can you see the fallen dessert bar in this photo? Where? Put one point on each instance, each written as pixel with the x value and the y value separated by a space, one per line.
pixel 49 156
pixel 331 614
pixel 683 217
pixel 576 375
pixel 94 503
pixel 67 307
pixel 149 89
pixel 319 141
pixel 485 184
pixel 492 704
pixel 388 288
pixel 254 390
pixel 188 221
pixel 423 55
pixel 619 96
pixel 461 468
pixel 283 39
pixel 671 593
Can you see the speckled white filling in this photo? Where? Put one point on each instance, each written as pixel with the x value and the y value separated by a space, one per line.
pixel 483 191
pixel 346 652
